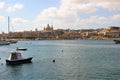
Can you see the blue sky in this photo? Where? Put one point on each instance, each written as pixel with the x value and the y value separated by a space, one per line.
pixel 73 14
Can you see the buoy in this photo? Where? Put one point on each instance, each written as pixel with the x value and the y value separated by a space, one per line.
pixel 62 50
pixel 53 60
pixel 1 63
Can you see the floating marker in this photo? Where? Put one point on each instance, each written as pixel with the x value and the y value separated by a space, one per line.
pixel 53 60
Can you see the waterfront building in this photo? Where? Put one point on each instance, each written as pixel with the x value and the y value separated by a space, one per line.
pixel 49 33
pixel 48 28
pixel 110 32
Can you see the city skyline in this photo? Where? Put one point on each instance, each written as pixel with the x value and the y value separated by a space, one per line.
pixel 73 14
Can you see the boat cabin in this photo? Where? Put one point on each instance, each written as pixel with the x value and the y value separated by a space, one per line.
pixel 15 56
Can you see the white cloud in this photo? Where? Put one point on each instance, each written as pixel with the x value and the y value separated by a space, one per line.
pixel 108 4
pixel 2 19
pixel 19 21
pixel 99 20
pixel 2 5
pixel 21 24
pixel 18 6
pixel 94 20
pixel 67 14
pixel 78 6
pixel 15 7
pixel 116 17
pixel 58 17
pixel 10 9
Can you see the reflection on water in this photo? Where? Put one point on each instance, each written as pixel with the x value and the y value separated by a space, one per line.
pixel 15 71
pixel 74 60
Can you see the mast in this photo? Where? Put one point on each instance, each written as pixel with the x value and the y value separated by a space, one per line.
pixel 8 24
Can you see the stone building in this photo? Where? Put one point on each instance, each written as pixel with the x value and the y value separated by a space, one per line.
pixel 48 28
pixel 110 32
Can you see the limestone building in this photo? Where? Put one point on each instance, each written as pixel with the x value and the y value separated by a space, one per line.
pixel 48 28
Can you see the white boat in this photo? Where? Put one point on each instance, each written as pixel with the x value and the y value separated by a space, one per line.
pixel 16 58
pixel 21 49
pixel 4 42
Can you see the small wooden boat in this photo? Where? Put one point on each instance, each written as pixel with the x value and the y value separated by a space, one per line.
pixel 16 58
pixel 21 49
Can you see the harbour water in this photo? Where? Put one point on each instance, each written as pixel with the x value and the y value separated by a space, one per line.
pixel 74 60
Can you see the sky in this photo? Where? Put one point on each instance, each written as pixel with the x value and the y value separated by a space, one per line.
pixel 28 15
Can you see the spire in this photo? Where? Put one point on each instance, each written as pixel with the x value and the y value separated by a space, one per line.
pixel 52 26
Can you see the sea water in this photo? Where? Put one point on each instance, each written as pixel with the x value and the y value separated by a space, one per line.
pixel 74 60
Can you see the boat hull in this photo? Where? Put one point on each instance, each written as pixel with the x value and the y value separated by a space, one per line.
pixel 12 41
pixel 21 49
pixel 117 41
pixel 21 61
pixel 4 42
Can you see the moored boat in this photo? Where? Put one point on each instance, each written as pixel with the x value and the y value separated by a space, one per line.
pixel 16 58
pixel 12 41
pixel 21 49
pixel 117 41
pixel 4 42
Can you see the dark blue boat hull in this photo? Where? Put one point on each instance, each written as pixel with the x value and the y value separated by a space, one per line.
pixel 117 41
pixel 21 61
pixel 21 49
